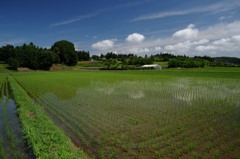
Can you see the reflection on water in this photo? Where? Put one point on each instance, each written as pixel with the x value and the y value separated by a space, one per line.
pixel 12 141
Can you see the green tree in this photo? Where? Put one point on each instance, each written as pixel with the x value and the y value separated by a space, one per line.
pixel 66 52
pixel 27 55
pixel 14 63
pixel 83 55
pixel 46 58
pixel 6 52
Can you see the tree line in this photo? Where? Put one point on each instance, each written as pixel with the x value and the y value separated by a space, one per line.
pixel 63 52
pixel 122 60
pixel 33 57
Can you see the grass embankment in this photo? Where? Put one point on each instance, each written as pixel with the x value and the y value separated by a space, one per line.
pixel 45 138
pixel 15 153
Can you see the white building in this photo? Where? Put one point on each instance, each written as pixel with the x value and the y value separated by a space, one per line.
pixel 154 66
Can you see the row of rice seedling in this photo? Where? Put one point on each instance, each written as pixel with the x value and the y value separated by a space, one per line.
pixel 10 134
pixel 174 118
pixel 45 138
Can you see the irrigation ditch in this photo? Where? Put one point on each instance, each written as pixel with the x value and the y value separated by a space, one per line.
pixel 45 138
pixel 12 141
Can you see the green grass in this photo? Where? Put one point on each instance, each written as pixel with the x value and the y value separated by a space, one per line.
pixel 3 68
pixel 170 113
pixel 88 64
pixel 163 64
pixel 45 138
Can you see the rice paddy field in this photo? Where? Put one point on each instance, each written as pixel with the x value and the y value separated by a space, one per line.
pixel 192 113
pixel 12 143
pixel 172 113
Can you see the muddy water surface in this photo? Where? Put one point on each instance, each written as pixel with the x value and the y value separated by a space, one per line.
pixel 12 143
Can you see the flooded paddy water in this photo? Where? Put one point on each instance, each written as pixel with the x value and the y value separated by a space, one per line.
pixel 12 143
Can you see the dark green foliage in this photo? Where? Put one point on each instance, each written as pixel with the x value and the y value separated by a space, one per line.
pixel 208 58
pixel 32 57
pixel 14 63
pixel 111 55
pixel 83 55
pixel 162 57
pixel 46 58
pixel 95 57
pixel 226 61
pixel 6 52
pixel 29 55
pixel 122 61
pixel 139 61
pixel 114 64
pixel 186 62
pixel 66 52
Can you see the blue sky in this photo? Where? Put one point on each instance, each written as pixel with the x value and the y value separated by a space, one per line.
pixel 196 27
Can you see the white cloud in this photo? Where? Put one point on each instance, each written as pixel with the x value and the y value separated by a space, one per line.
pixel 220 30
pixel 12 42
pixel 95 13
pixel 136 50
pixel 220 39
pixel 214 8
pixel 188 33
pixel 201 42
pixel 157 48
pixel 103 45
pixel 223 45
pixel 181 47
pixel 205 48
pixel 236 38
pixel 73 20
pixel 135 38
pixel 225 17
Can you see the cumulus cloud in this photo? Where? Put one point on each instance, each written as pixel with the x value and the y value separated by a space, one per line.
pixel 229 44
pixel 205 48
pixel 135 38
pixel 220 39
pixel 181 47
pixel 185 47
pixel 136 50
pixel 201 42
pixel 157 48
pixel 220 30
pixel 188 33
pixel 103 45
pixel 236 38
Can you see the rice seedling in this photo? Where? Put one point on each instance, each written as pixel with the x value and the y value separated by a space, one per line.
pixel 137 114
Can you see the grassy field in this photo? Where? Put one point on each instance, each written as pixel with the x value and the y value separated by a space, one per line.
pixel 173 113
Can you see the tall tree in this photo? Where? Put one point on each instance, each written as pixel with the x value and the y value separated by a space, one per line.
pixel 83 55
pixel 66 52
pixel 6 52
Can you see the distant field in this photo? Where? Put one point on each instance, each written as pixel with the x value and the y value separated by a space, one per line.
pixel 88 64
pixel 3 68
pixel 173 113
pixel 163 64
